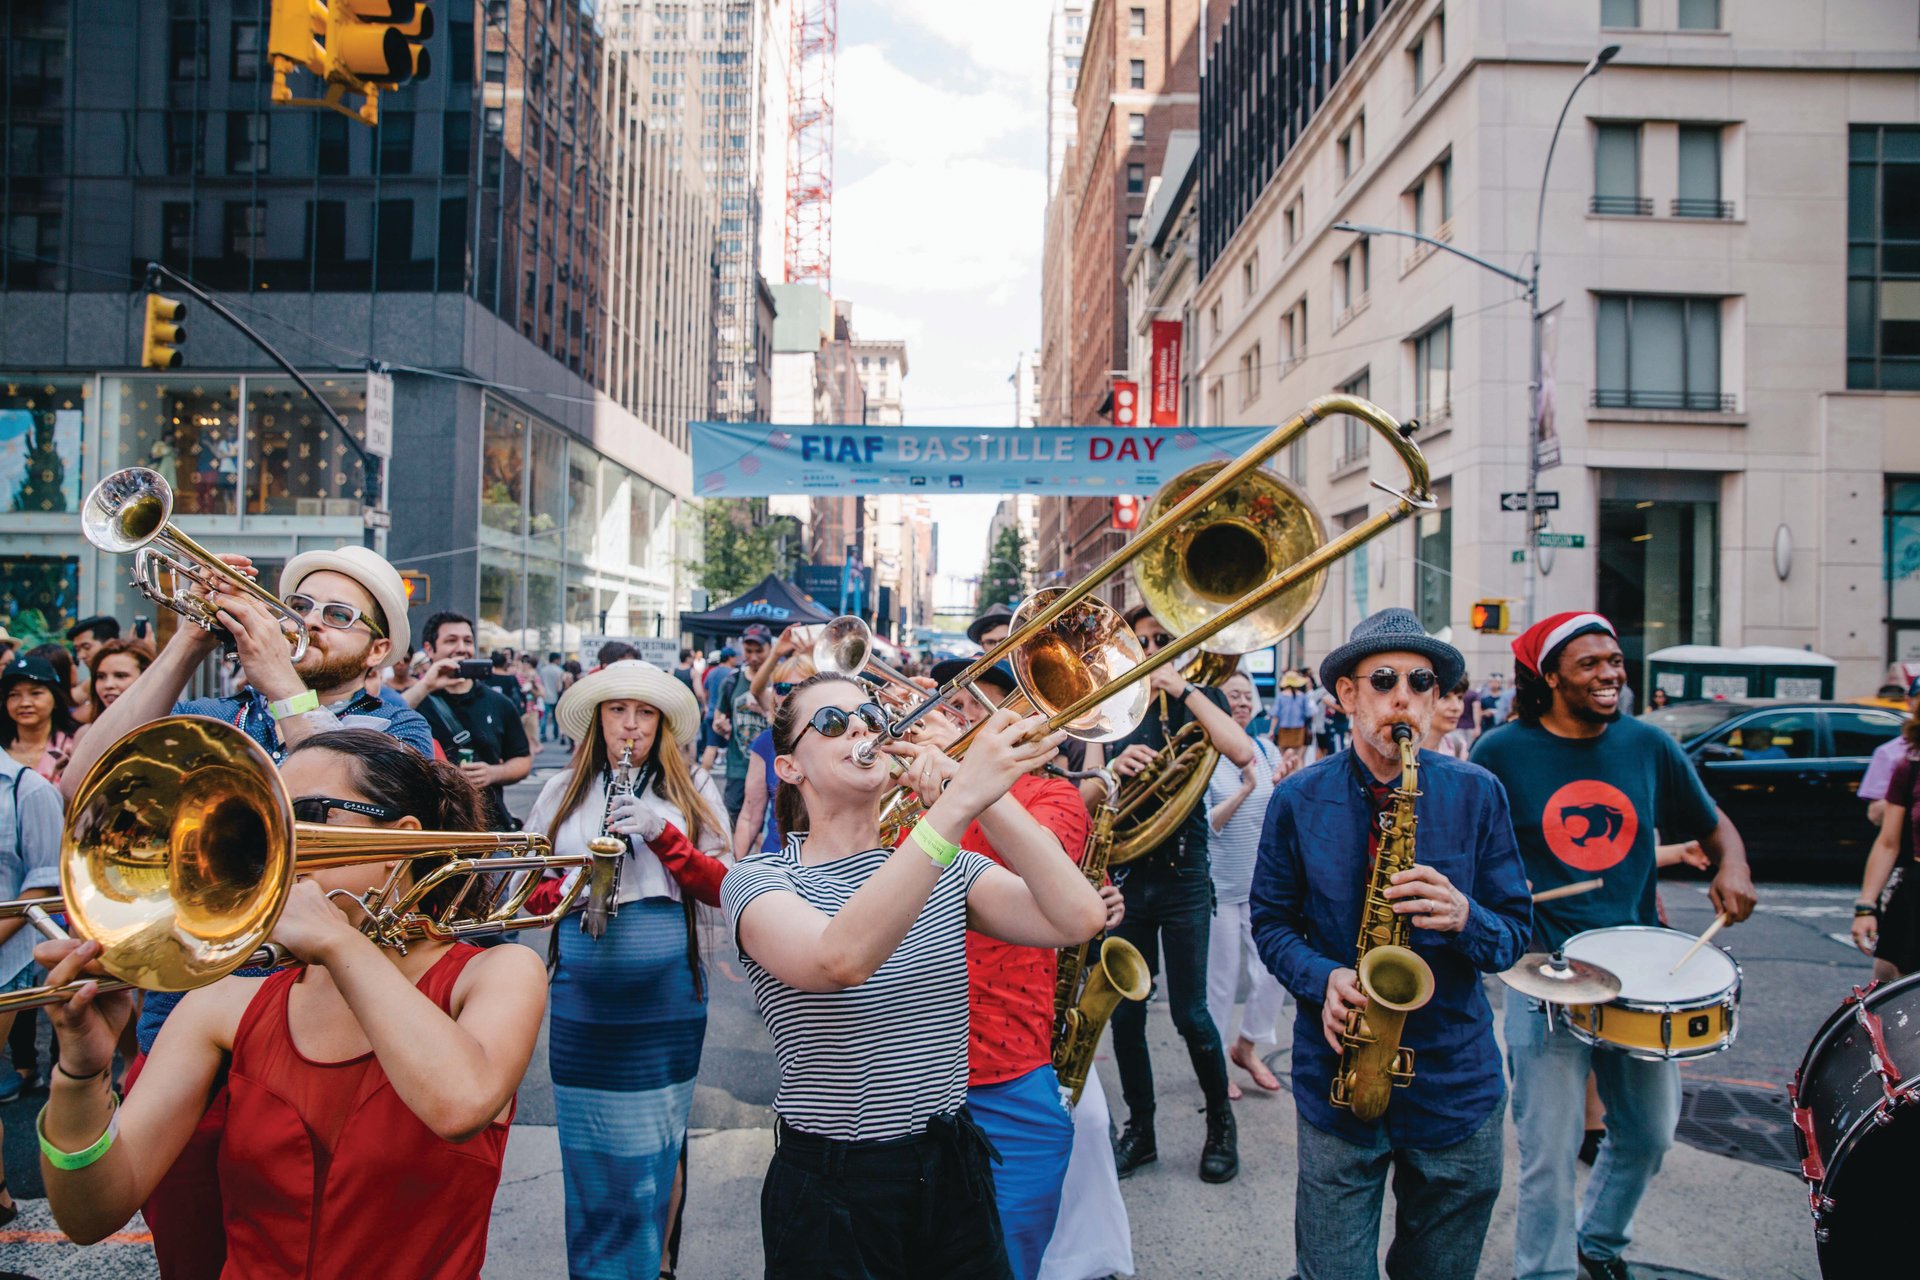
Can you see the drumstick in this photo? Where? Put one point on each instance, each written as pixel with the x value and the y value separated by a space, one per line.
pixel 1575 889
pixel 1719 923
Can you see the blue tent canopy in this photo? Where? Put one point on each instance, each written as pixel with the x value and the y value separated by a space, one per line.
pixel 774 603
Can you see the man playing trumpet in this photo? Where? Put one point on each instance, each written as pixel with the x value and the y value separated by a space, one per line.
pixel 1465 912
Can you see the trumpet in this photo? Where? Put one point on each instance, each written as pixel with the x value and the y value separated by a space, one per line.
pixel 132 511
pixel 180 851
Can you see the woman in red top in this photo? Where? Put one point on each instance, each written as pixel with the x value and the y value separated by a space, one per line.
pixel 369 1092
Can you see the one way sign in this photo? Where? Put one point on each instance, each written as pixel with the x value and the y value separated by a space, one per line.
pixel 1543 500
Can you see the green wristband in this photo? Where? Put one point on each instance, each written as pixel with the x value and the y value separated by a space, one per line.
pixel 936 846
pixel 298 705
pixel 71 1160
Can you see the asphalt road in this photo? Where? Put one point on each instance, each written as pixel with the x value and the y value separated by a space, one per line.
pixel 1722 1207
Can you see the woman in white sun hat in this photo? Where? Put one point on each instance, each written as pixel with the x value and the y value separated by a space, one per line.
pixel 629 1006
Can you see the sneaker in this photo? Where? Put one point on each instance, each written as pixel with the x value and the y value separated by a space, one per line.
pixel 12 1085
pixel 1135 1148
pixel 1590 1145
pixel 1605 1268
pixel 1220 1157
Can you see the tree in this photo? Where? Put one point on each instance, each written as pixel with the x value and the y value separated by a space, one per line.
pixel 1004 580
pixel 736 550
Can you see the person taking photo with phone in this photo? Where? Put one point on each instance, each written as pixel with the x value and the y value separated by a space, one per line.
pixel 474 723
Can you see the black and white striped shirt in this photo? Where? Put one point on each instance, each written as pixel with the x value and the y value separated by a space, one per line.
pixel 881 1059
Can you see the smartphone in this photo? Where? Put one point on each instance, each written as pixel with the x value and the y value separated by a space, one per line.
pixel 140 628
pixel 475 669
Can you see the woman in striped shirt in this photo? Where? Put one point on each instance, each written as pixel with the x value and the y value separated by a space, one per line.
pixel 857 955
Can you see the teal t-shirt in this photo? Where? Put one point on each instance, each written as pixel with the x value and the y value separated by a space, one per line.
pixel 1587 807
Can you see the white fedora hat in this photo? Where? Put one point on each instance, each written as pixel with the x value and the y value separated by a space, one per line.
pixel 366 567
pixel 629 678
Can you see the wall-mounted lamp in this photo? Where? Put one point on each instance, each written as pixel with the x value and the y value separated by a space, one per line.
pixel 1782 552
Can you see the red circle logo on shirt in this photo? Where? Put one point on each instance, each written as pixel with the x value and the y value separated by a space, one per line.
pixel 1589 824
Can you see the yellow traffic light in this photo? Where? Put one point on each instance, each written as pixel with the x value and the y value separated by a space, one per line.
pixel 295 34
pixel 380 42
pixel 419 587
pixel 1490 617
pixel 160 342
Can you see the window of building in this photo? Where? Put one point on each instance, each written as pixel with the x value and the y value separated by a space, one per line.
pixel 297 464
pixel 1137 73
pixel 1213 319
pixel 1433 373
pixel 1216 404
pixel 1293 335
pixel 1883 258
pixel 1293 221
pixel 1443 178
pixel 494 66
pixel 1137 23
pixel 1699 15
pixel 176 233
pixel 1352 277
pixel 183 427
pixel 1657 352
pixel 1353 432
pixel 460 52
pixel 393 237
pixel 247 142
pixel 327 232
pixel 456 142
pixel 1249 373
pixel 1700 174
pixel 332 133
pixel 1433 568
pixel 1352 146
pixel 244 51
pixel 185 136
pixel 187 46
pixel 1616 171
pixel 1902 534
pixel 1250 275
pixel 1658 563
pixel 41 467
pixel 245 229
pixel 395 136
pixel 1136 126
pixel 1427 55
pixel 1136 179
pixel 1619 13
pixel 1133 227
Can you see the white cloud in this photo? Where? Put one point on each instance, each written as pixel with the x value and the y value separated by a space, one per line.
pixel 1008 37
pixel 882 112
pixel 972 226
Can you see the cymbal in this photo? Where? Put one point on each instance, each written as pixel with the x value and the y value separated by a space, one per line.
pixel 1558 979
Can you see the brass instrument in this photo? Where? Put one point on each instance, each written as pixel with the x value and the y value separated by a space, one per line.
pixel 1081 1010
pixel 604 903
pixel 1156 802
pixel 1393 976
pixel 1051 640
pixel 180 850
pixel 132 510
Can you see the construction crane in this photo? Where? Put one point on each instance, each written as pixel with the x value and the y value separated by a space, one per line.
pixel 809 246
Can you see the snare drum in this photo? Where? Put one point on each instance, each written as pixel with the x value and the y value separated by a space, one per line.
pixel 1658 1014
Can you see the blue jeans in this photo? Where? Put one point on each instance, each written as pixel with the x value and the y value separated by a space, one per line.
pixel 1443 1201
pixel 1548 1072
pixel 549 727
pixel 1026 1120
pixel 1171 910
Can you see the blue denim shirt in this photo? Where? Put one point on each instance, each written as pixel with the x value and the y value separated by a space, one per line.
pixel 248 713
pixel 1308 887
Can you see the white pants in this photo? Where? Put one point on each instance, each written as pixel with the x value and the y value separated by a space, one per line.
pixel 1091 1237
pixel 1229 945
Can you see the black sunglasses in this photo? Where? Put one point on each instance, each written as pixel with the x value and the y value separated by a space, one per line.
pixel 832 722
pixel 1155 640
pixel 1386 680
pixel 781 688
pixel 315 809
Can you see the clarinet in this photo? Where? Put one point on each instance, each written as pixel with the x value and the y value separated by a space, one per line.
pixel 609 850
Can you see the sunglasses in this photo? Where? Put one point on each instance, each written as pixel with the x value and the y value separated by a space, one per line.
pixel 832 722
pixel 1419 680
pixel 332 614
pixel 1155 640
pixel 781 688
pixel 316 808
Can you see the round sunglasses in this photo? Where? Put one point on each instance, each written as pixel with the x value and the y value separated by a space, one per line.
pixel 832 722
pixel 1386 680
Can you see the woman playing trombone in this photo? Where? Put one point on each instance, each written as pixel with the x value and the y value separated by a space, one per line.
pixel 857 955
pixel 368 1091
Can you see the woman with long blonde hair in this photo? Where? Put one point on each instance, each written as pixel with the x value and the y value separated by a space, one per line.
pixel 629 1005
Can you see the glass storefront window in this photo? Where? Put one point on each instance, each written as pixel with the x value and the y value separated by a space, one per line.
pixel 547 491
pixel 502 616
pixel 41 433
pixel 39 597
pixel 188 431
pixel 1659 576
pixel 583 503
pixel 297 464
pixel 543 604
pixel 611 539
pixel 503 468
pixel 1433 544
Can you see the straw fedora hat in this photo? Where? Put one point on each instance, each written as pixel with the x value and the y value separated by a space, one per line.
pixel 629 678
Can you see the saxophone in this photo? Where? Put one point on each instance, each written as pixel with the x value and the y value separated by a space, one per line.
pixel 1081 1010
pixel 1395 979
pixel 609 851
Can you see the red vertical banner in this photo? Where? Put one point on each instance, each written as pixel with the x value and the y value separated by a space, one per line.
pixel 1166 373
pixel 1126 404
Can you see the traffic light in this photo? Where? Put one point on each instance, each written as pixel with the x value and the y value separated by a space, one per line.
pixel 160 342
pixel 380 42
pixel 1126 513
pixel 294 34
pixel 1490 617
pixel 419 587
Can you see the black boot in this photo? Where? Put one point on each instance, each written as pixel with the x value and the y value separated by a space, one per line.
pixel 1135 1147
pixel 1220 1158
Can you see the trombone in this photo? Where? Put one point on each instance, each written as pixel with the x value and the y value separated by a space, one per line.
pixel 132 511
pixel 1066 639
pixel 180 850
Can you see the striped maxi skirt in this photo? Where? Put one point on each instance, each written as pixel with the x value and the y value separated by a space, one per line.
pixel 623 1047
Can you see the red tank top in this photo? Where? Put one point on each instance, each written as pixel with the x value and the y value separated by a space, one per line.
pixel 325 1172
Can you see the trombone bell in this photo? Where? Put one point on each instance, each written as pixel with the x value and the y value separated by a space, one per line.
pixel 1086 649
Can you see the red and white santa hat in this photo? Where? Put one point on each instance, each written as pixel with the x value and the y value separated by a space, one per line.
pixel 1537 645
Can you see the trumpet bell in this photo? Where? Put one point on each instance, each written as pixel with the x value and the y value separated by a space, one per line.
pixel 1233 545
pixel 178 853
pixel 1087 648
pixel 127 510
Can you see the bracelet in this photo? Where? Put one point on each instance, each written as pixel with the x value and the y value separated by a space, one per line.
pixel 298 705
pixel 72 1160
pixel 62 1069
pixel 1865 909
pixel 936 846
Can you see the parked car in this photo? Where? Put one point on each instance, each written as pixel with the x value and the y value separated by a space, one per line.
pixel 1787 772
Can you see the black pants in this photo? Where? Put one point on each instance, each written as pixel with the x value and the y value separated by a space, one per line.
pixel 1169 915
pixel 907 1208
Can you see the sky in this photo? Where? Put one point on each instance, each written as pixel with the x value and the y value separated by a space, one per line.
pixel 939 203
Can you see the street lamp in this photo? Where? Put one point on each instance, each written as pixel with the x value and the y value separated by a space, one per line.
pixel 1530 282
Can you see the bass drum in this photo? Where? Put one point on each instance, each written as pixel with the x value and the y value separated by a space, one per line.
pixel 1856 1117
